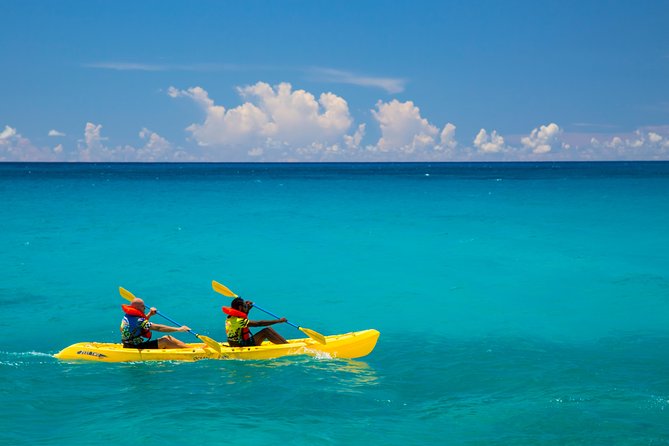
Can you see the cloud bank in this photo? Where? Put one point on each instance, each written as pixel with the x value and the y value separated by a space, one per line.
pixel 282 124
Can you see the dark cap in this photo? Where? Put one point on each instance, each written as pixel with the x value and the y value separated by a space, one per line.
pixel 237 303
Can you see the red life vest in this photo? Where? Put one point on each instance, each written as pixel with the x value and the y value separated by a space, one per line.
pixel 231 312
pixel 136 314
pixel 236 313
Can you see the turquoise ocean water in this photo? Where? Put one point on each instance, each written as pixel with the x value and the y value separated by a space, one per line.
pixel 517 303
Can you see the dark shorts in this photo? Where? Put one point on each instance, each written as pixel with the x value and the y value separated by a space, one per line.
pixel 145 344
pixel 244 343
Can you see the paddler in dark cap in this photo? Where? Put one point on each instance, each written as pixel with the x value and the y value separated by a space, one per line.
pixel 237 326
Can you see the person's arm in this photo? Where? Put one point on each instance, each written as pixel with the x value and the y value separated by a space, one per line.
pixel 266 323
pixel 167 328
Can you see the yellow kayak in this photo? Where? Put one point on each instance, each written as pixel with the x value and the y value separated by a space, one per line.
pixel 349 345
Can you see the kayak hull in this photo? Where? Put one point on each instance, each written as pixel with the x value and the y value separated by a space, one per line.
pixel 349 345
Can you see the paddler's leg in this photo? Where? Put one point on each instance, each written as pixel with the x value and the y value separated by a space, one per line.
pixel 270 334
pixel 170 342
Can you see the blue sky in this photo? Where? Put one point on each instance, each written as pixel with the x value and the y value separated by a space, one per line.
pixel 334 81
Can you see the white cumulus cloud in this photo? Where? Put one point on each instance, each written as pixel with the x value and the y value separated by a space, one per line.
pixel 403 129
pixel 7 133
pixel 354 141
pixel 447 140
pixel 654 138
pixel 489 143
pixel 273 119
pixel 156 148
pixel 54 132
pixel 542 139
pixel 93 148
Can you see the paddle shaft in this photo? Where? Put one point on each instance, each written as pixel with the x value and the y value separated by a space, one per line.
pixel 176 323
pixel 272 314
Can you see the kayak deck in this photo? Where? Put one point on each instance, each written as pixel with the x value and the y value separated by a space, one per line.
pixel 349 345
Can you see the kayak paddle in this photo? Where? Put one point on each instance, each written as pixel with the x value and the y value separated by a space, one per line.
pixel 220 288
pixel 127 295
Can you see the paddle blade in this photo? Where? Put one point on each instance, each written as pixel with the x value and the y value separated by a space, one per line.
pixel 313 335
pixel 127 295
pixel 224 290
pixel 210 342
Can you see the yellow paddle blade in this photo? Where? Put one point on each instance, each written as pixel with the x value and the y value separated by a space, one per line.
pixel 210 342
pixel 224 290
pixel 127 295
pixel 313 335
